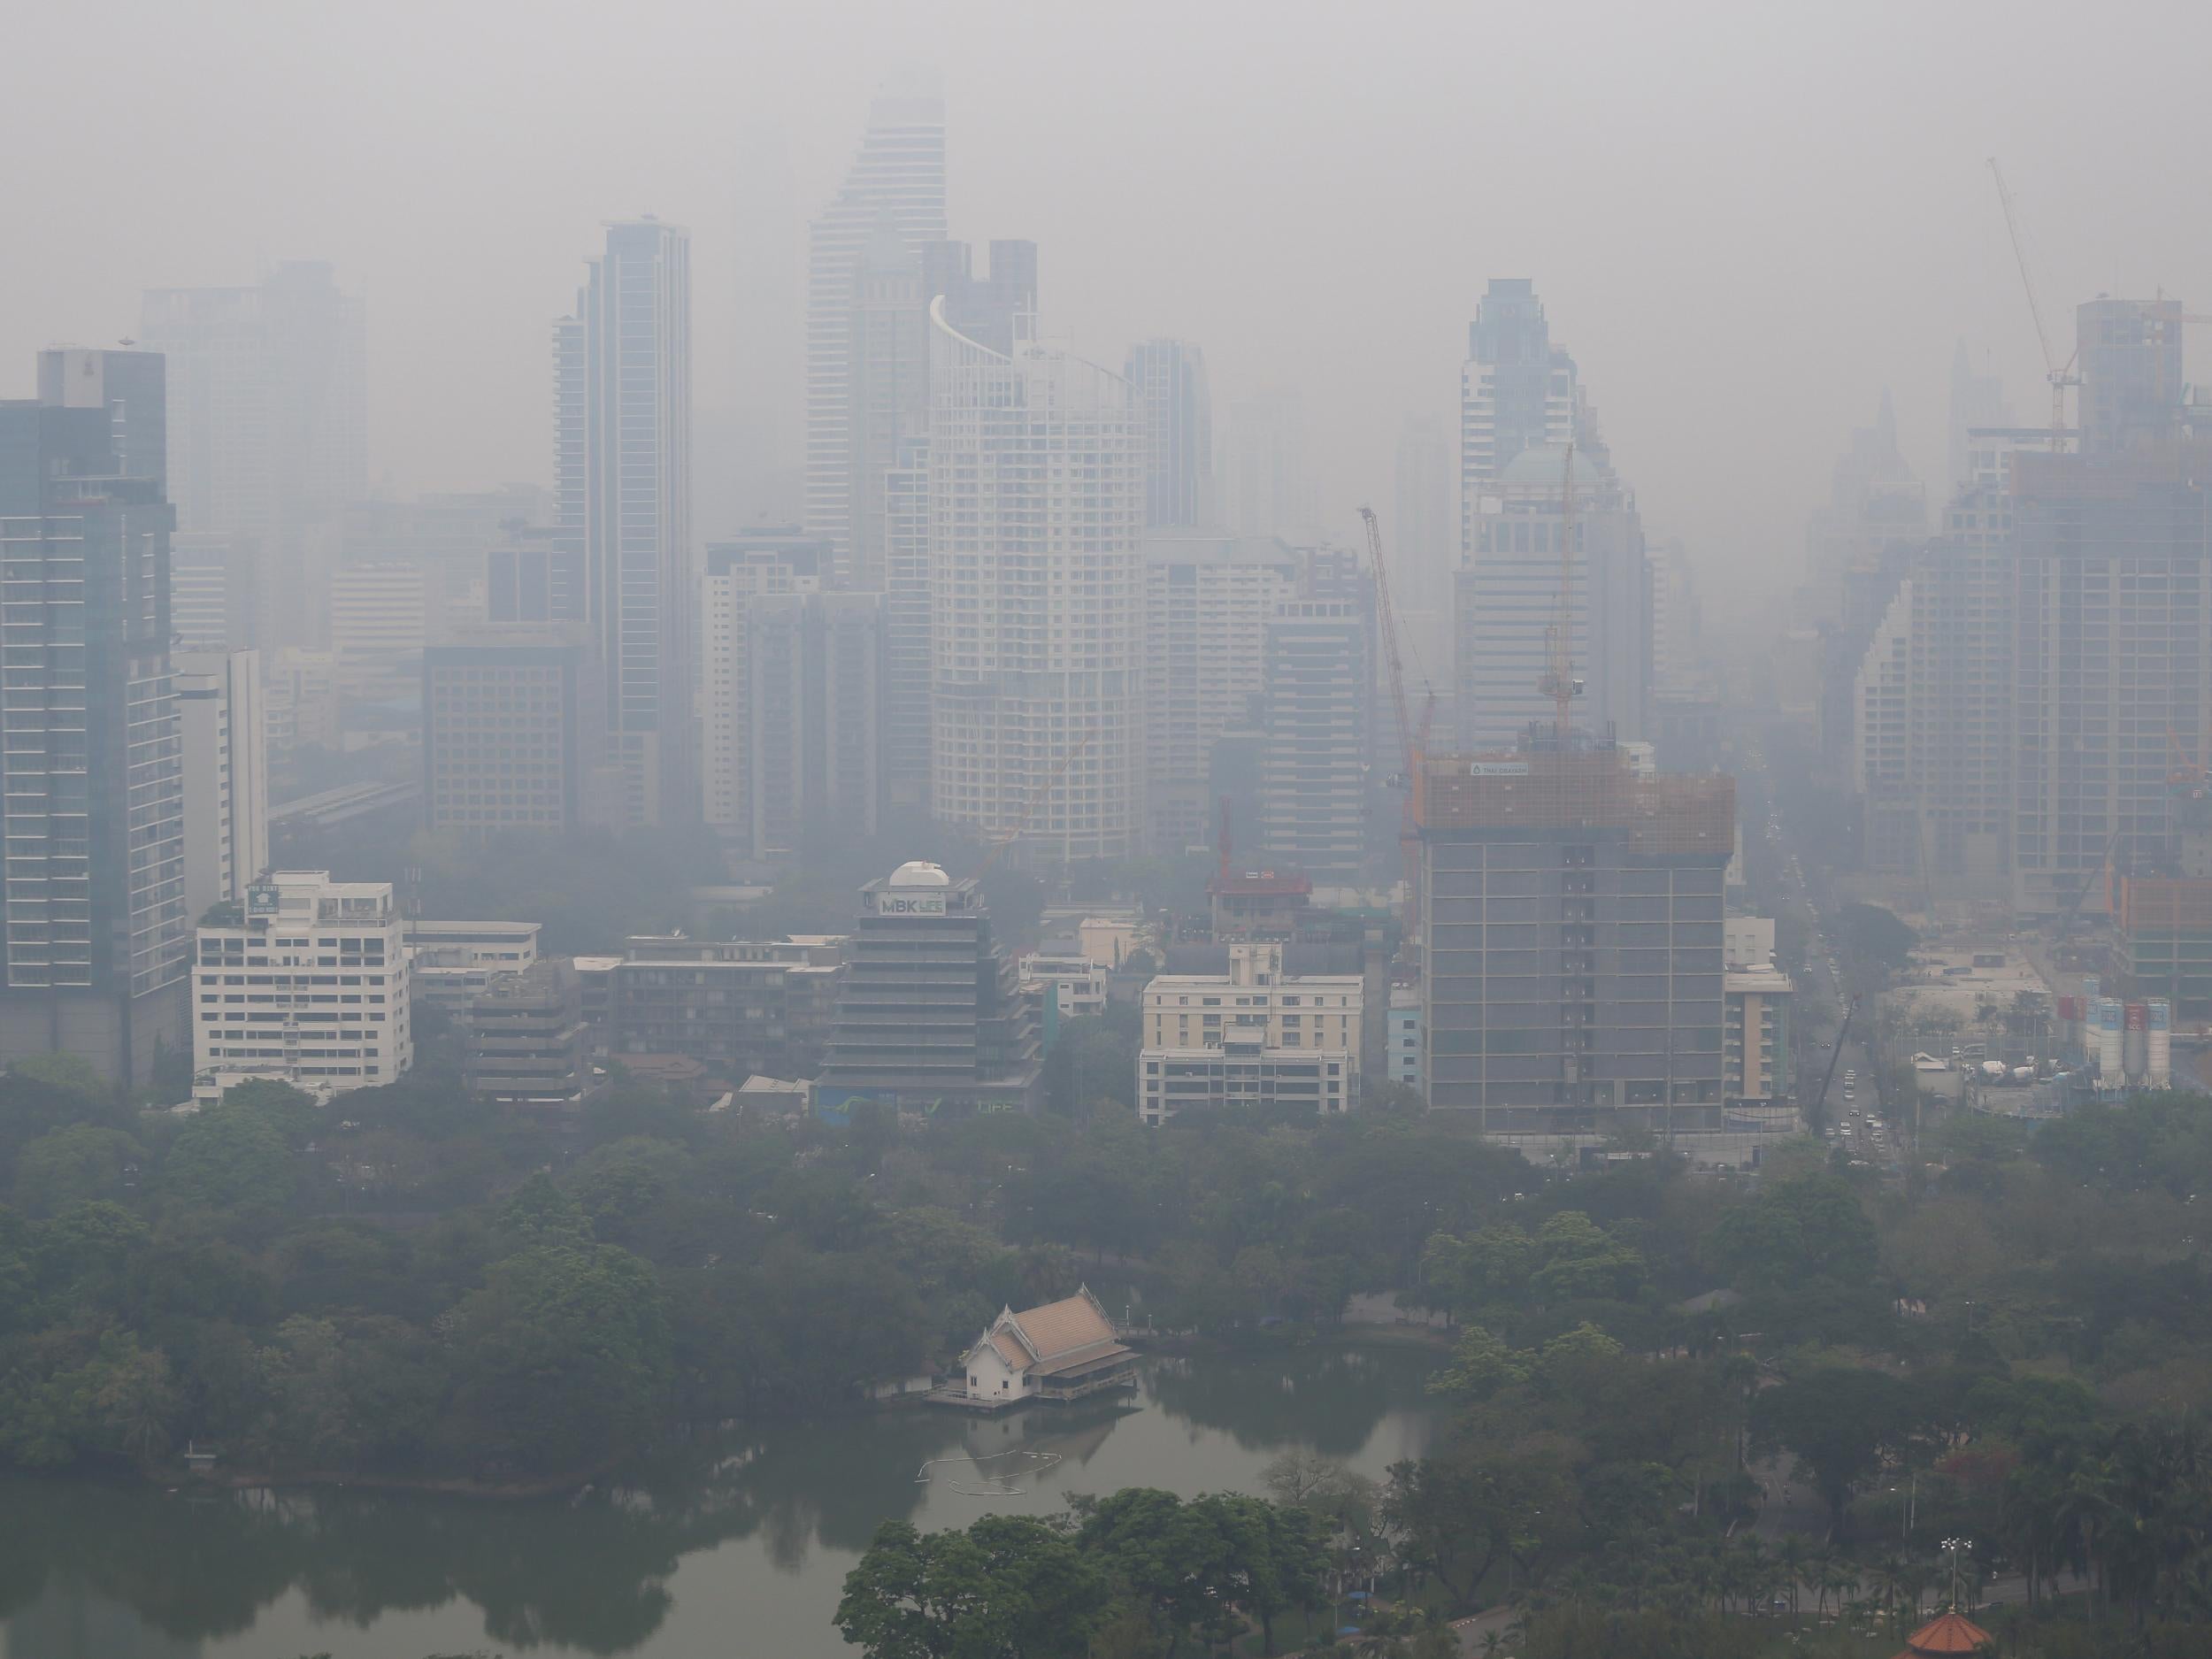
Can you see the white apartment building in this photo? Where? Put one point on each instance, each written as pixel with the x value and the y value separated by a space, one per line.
pixel 898 178
pixel 1208 597
pixel 1252 1036
pixel 226 750
pixel 1077 983
pixel 1036 516
pixel 310 988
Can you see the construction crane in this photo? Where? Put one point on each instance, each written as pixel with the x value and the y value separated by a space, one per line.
pixel 2060 375
pixel 1036 799
pixel 1558 680
pixel 1388 614
pixel 1409 751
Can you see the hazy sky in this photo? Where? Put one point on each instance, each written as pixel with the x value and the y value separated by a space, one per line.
pixel 1745 220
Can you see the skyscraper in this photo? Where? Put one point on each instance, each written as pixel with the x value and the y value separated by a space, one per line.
pixel 1169 376
pixel 1508 600
pixel 224 743
pixel 1976 401
pixel 1421 541
pixel 622 505
pixel 267 421
pixel 1266 482
pixel 91 788
pixel 1035 513
pixel 1317 705
pixel 896 180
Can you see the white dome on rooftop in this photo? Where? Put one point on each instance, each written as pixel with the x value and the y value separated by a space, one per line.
pixel 919 872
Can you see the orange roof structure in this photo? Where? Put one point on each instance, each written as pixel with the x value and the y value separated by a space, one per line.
pixel 1950 1634
pixel 1056 1337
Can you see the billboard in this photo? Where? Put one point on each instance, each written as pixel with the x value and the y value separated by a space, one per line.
pixel 262 899
pixel 910 904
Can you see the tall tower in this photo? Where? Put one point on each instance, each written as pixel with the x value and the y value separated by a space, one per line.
pixel 267 422
pixel 898 179
pixel 91 784
pixel 624 563
pixel 1169 376
pixel 1035 512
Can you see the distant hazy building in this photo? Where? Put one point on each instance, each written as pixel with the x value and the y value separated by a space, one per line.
pixel 1169 379
pixel 1757 1068
pixel 627 569
pixel 1421 541
pixel 896 183
pixel 447 535
pixel 382 616
pixel 887 394
pixel 217 597
pixel 224 742
pixel 1267 482
pixel 302 704
pixel 510 739
pixel 930 1019
pixel 1978 401
pixel 1318 683
pixel 736 1006
pixel 328 1008
pixel 267 427
pixel 2129 352
pixel 92 790
pixel 1508 599
pixel 1035 492
pixel 1208 598
pixel 814 729
pixel 739 573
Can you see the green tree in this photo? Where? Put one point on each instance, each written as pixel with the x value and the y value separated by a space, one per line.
pixel 1839 1420
pixel 562 1356
pixel 1008 1588
pixel 66 1165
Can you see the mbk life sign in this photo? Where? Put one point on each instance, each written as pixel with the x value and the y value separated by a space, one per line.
pixel 910 904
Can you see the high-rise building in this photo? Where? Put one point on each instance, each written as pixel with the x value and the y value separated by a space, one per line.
pixel 302 937
pixel 1170 378
pixel 1317 679
pixel 814 745
pixel 511 739
pixel 267 424
pixel 92 790
pixel 381 616
pixel 225 756
pixel 896 180
pixel 1978 401
pixel 1422 543
pixel 1267 481
pixel 215 592
pixel 1209 600
pixel 1509 601
pixel 930 1017
pixel 886 391
pixel 1035 512
pixel 2129 352
pixel 739 573
pixel 906 639
pixel 302 707
pixel 1572 915
pixel 622 502
pixel 447 534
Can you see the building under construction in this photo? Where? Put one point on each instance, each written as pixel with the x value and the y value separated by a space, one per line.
pixel 1571 910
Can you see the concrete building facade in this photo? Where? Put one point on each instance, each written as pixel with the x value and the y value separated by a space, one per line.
pixel 1036 603
pixel 224 748
pixel 1254 1035
pixel 310 988
pixel 1317 698
pixel 91 786
pixel 1169 379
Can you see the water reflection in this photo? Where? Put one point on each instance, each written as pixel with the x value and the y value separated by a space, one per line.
pixel 767 1521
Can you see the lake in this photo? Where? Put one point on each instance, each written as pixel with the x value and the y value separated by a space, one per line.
pixel 724 1545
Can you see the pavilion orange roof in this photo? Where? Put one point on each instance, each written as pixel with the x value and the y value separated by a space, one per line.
pixel 1950 1634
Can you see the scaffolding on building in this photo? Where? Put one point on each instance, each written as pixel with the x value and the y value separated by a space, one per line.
pixel 1663 815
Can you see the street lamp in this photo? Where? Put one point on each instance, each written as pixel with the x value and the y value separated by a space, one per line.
pixel 1952 1548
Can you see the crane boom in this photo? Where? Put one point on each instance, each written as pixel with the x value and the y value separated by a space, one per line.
pixel 1387 613
pixel 2060 375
